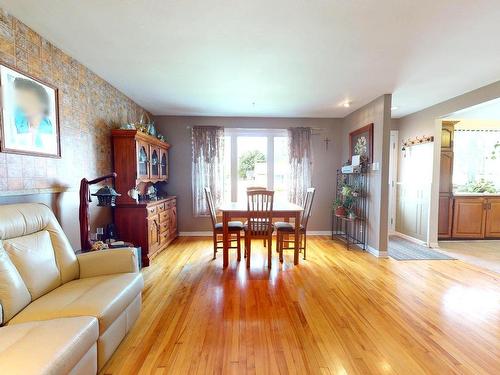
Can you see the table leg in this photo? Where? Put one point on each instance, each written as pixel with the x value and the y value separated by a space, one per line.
pixel 225 238
pixel 297 239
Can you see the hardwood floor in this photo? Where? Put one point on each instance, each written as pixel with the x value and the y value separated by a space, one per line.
pixel 338 312
pixel 485 254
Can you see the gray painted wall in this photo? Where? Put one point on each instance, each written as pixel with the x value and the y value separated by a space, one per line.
pixel 427 122
pixel 325 162
pixel 377 112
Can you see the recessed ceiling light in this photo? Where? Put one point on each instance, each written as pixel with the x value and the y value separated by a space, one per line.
pixel 346 104
pixel 394 107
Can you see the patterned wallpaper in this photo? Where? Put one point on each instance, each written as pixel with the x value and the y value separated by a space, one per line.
pixel 89 108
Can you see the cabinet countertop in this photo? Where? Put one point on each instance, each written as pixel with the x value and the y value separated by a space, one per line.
pixel 465 194
pixel 147 203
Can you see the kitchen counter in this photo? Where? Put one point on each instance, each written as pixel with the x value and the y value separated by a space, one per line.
pixel 466 194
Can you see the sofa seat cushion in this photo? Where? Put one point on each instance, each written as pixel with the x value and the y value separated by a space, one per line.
pixel 104 297
pixel 49 347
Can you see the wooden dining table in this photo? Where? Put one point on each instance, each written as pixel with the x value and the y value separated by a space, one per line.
pixel 239 210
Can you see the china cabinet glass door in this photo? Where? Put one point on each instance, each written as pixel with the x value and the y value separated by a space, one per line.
pixel 142 160
pixel 164 164
pixel 155 163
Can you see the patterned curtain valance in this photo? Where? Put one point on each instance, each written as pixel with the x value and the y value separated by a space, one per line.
pixel 300 157
pixel 207 166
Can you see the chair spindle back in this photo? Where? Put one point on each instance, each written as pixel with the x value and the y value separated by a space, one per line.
pixel 306 213
pixel 260 208
pixel 211 206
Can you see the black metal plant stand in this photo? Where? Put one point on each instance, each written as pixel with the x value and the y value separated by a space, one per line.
pixel 352 230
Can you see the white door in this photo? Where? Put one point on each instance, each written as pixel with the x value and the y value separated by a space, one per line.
pixel 393 177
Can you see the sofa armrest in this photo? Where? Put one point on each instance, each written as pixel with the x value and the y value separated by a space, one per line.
pixel 108 262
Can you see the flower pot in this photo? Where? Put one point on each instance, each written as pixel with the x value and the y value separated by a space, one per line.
pixel 340 211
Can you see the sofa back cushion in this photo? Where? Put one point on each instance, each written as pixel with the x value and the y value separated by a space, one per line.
pixel 18 220
pixel 14 295
pixel 34 258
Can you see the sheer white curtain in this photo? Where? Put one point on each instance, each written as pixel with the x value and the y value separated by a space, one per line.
pixel 207 166
pixel 299 141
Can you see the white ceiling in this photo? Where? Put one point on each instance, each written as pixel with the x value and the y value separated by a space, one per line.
pixel 489 110
pixel 276 57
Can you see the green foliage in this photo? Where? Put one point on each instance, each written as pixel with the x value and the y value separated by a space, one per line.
pixel 481 186
pixel 248 160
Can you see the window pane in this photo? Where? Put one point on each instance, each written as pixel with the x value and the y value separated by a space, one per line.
pixel 281 168
pixel 227 169
pixel 476 161
pixel 252 163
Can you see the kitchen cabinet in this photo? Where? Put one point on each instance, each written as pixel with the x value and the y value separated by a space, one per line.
pixel 476 217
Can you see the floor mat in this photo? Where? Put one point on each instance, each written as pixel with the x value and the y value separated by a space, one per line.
pixel 401 249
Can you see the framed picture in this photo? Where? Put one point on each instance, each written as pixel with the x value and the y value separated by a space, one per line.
pixel 361 142
pixel 29 121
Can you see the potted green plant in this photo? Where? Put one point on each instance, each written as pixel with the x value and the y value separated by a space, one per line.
pixel 351 214
pixel 339 208
pixel 346 190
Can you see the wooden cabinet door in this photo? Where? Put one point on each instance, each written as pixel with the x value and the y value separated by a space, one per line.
pixel 163 164
pixel 469 217
pixel 153 233
pixel 492 218
pixel 446 172
pixel 143 158
pixel 155 162
pixel 445 218
pixel 173 220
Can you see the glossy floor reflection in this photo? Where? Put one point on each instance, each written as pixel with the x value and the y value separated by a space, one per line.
pixel 339 312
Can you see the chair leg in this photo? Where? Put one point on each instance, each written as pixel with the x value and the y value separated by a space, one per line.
pixel 305 244
pixel 215 245
pixel 238 245
pixel 269 251
pixel 280 250
pixel 248 249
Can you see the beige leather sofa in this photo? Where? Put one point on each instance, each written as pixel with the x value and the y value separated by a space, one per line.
pixel 60 313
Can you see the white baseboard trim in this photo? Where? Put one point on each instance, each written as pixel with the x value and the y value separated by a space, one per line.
pixel 208 233
pixel 376 252
pixel 434 245
pixel 411 239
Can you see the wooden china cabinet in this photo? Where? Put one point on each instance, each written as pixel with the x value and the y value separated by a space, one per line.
pixel 139 161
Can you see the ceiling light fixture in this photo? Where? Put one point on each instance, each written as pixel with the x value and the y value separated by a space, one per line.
pixel 346 104
pixel 394 107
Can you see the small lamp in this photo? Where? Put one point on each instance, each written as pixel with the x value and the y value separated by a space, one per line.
pixel 106 197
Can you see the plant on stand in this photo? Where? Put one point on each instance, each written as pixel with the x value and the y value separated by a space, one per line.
pixel 343 205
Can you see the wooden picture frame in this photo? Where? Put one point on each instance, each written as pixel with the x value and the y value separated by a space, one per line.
pixel 17 135
pixel 362 138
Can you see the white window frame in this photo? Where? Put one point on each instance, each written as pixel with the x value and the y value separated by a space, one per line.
pixel 233 134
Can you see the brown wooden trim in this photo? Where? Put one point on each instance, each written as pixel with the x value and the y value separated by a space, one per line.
pixel 129 133
pixel 365 128
pixel 58 129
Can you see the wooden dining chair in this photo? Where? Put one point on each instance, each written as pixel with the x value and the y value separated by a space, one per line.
pixel 259 223
pixel 235 228
pixel 258 188
pixel 284 229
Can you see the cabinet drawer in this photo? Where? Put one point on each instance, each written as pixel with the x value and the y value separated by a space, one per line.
pixel 170 203
pixel 163 227
pixel 151 210
pixel 164 217
pixel 160 207
pixel 164 238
